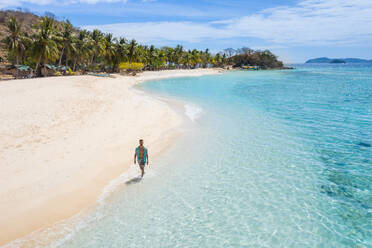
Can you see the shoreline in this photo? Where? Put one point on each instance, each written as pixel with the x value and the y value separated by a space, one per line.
pixel 59 142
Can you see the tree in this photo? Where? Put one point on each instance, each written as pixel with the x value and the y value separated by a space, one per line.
pixel 206 58
pixel 170 54
pixel 178 55
pixel 44 45
pixel 110 49
pixel 59 42
pixel 188 59
pixel 196 58
pixel 98 45
pixel 264 59
pixel 14 41
pixel 83 48
pixel 132 50
pixel 121 53
pixel 218 60
pixel 67 41
pixel 162 58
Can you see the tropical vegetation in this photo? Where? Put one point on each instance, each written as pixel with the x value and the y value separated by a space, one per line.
pixel 58 45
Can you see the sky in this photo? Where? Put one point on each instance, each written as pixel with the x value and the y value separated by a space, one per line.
pixel 295 30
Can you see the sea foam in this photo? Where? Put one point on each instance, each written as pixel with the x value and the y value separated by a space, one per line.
pixel 64 230
pixel 193 111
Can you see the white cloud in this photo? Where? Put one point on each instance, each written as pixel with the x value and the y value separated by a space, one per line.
pixel 315 22
pixel 158 31
pixel 18 3
pixel 310 22
pixel 103 1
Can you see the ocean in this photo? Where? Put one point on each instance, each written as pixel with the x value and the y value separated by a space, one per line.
pixel 266 159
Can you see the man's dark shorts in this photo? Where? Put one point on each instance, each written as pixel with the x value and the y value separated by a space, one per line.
pixel 141 162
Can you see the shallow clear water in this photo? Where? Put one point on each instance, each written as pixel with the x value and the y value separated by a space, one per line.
pixel 268 159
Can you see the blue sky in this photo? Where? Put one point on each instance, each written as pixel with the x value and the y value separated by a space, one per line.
pixel 295 30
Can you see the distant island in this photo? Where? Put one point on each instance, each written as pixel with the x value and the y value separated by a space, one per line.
pixel 338 61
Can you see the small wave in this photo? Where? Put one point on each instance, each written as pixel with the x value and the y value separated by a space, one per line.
pixel 132 174
pixel 62 231
pixel 192 111
pixel 115 183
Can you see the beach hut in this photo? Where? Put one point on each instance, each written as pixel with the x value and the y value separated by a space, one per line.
pixel 17 71
pixel 51 70
pixel 4 74
pixel 23 71
pixel 63 68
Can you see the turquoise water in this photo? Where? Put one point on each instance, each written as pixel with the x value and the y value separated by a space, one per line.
pixel 268 159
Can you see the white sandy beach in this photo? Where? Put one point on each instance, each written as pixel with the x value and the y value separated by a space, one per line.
pixel 62 139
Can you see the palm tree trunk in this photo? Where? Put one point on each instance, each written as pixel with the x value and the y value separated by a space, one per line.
pixel 116 66
pixel 92 60
pixel 17 61
pixel 37 65
pixel 75 64
pixel 45 69
pixel 60 57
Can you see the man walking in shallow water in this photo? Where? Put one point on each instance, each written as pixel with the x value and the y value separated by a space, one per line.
pixel 142 157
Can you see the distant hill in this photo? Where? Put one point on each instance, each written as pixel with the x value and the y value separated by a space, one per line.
pixel 319 60
pixel 337 61
pixel 27 19
pixel 346 60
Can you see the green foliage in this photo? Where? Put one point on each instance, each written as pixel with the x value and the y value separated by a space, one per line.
pixel 45 47
pixel 67 42
pixel 131 66
pixel 70 72
pixel 263 59
pixel 14 43
pixel 59 43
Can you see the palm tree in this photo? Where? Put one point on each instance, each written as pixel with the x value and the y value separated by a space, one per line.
pixel 141 54
pixel 218 60
pixel 14 41
pixel 178 55
pixel 120 54
pixel 67 40
pixel 74 48
pixel 27 55
pixel 152 57
pixel 44 45
pixel 83 45
pixel 110 48
pixel 224 60
pixel 188 59
pixel 170 54
pixel 97 44
pixel 132 50
pixel 162 58
pixel 157 58
pixel 206 58
pixel 196 60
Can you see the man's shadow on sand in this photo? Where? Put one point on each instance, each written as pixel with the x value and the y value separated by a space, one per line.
pixel 134 180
